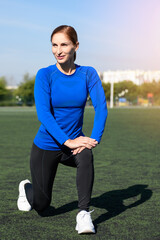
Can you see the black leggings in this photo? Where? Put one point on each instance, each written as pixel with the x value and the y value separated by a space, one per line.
pixel 44 163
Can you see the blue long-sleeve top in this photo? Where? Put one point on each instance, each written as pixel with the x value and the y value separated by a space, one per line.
pixel 60 101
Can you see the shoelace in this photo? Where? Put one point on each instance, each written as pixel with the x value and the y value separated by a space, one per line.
pixel 91 211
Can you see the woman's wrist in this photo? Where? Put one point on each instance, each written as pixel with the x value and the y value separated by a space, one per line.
pixel 66 143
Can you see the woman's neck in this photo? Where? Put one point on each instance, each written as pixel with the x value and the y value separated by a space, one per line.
pixel 66 69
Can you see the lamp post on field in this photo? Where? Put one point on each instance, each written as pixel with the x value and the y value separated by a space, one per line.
pixel 111 93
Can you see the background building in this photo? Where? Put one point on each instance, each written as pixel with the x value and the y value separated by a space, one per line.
pixel 138 76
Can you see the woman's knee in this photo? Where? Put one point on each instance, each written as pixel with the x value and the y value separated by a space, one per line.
pixel 85 158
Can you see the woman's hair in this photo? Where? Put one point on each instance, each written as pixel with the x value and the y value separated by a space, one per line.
pixel 69 31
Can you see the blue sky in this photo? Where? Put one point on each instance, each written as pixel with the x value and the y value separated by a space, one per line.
pixel 113 34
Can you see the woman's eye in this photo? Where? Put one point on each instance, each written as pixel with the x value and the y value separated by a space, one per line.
pixel 54 45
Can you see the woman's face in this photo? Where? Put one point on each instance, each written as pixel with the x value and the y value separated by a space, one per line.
pixel 63 48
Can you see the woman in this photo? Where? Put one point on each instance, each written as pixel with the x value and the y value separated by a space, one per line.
pixel 61 92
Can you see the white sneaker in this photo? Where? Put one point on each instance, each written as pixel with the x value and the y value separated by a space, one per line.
pixel 22 202
pixel 84 222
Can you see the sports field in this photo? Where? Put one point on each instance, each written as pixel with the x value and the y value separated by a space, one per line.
pixel 126 194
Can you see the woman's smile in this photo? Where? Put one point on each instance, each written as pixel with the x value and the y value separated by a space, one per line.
pixel 60 57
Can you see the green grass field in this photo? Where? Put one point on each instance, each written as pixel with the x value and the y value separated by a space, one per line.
pixel 126 194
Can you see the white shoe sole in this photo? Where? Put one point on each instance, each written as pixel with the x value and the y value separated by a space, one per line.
pixel 22 202
pixel 84 230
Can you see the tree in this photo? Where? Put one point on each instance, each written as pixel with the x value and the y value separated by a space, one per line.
pixel 25 90
pixel 151 87
pixel 106 87
pixel 3 89
pixel 129 88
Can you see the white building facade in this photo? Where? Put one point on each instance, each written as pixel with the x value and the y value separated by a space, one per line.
pixel 137 77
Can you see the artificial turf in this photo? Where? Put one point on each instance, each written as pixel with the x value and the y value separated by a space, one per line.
pixel 126 193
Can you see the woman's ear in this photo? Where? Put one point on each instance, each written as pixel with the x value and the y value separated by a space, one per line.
pixel 77 46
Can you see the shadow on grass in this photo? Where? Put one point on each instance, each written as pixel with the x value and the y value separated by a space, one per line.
pixel 111 201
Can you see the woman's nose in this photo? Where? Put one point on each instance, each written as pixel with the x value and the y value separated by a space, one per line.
pixel 59 50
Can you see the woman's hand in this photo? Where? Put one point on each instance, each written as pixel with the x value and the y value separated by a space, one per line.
pixel 80 142
pixel 77 150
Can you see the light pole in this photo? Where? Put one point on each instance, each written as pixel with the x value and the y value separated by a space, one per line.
pixel 111 93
